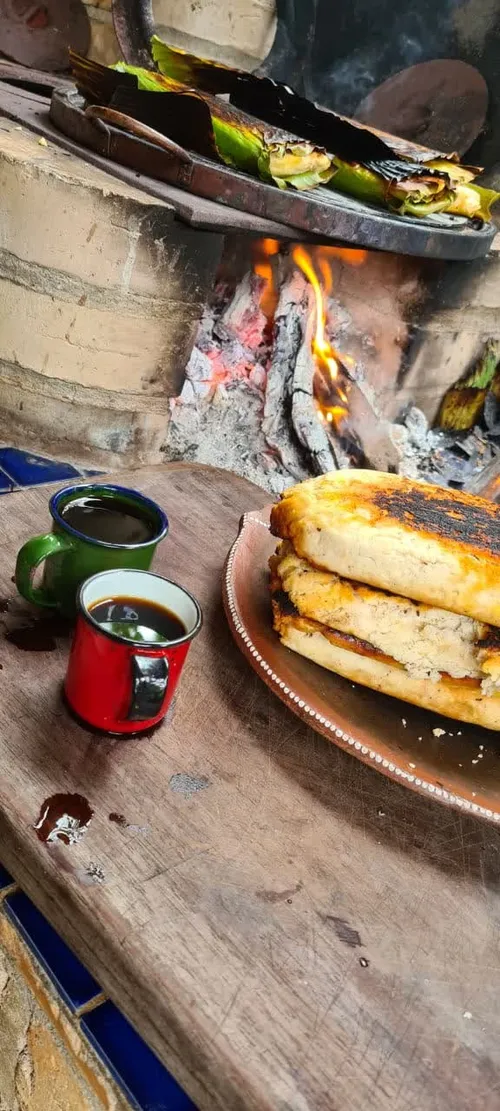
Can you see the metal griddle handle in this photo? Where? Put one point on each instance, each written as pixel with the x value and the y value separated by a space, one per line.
pixel 102 115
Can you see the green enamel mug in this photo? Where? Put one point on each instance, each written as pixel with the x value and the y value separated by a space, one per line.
pixel 96 527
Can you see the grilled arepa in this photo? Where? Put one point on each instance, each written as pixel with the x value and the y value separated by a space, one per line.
pixel 361 663
pixel 421 541
pixel 426 640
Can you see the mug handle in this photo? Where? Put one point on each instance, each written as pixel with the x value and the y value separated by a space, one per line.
pixel 28 559
pixel 149 687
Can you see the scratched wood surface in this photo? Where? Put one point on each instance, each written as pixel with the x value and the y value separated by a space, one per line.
pixel 286 928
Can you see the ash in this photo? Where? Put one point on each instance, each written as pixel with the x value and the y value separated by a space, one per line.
pixel 218 417
pixel 456 459
pixel 225 431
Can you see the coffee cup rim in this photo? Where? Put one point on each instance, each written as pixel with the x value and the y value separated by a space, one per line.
pixel 80 488
pixel 140 647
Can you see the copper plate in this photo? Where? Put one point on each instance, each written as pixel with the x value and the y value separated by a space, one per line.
pixel 460 768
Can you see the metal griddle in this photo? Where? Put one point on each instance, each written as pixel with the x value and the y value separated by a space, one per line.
pixel 321 213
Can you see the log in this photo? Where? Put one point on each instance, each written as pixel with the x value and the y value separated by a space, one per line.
pixel 322 453
pixel 287 340
pixel 243 315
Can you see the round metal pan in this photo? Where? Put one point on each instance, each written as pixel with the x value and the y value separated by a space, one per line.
pixel 321 212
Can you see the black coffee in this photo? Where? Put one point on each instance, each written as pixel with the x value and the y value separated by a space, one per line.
pixel 108 519
pixel 137 619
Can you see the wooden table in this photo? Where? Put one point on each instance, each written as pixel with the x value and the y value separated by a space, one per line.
pixel 297 933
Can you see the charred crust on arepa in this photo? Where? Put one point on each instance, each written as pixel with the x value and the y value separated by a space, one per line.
pixel 281 602
pixel 491 638
pixel 465 520
pixel 286 606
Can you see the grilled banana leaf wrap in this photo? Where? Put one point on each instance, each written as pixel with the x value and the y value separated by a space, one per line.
pixel 204 123
pixel 378 168
pixel 192 113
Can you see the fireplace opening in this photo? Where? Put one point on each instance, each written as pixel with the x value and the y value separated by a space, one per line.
pixel 310 358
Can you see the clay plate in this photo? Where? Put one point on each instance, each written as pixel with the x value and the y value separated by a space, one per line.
pixel 459 769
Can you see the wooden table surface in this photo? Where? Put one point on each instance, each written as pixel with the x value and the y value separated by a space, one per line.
pixel 298 933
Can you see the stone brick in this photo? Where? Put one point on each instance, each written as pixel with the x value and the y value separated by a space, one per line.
pixel 45 1063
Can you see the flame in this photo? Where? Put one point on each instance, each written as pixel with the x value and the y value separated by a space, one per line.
pixel 269 247
pixel 353 256
pixel 322 347
pixel 326 274
pixel 264 251
pixel 269 295
pixel 329 388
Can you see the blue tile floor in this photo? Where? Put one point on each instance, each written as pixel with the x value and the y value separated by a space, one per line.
pixel 139 1072
pixel 23 468
pixel 144 1080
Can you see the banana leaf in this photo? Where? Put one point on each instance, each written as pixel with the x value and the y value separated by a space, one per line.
pixel 370 165
pixel 277 104
pixel 463 403
pixel 416 196
pixel 203 123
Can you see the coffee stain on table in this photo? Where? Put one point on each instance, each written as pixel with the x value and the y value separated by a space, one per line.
pixel 119 820
pixel 188 785
pixel 63 817
pixel 345 933
pixel 40 635
pixel 279 896
pixel 123 823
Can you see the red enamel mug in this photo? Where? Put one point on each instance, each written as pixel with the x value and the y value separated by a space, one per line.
pixel 122 674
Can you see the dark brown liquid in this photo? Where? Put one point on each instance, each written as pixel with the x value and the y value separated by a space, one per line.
pixel 63 818
pixel 108 519
pixel 119 820
pixel 40 635
pixel 137 619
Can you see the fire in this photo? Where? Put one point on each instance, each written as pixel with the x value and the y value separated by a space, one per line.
pixel 330 396
pixel 270 247
pixel 326 275
pixel 353 256
pixel 265 250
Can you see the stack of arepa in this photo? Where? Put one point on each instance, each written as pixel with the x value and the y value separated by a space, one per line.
pixel 394 584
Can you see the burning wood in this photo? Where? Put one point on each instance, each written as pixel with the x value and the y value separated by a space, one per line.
pixel 324 453
pixel 272 392
pixel 287 340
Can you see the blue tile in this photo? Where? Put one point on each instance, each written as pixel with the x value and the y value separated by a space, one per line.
pixel 5 879
pixel 147 1084
pixel 30 470
pixel 72 980
pixel 6 483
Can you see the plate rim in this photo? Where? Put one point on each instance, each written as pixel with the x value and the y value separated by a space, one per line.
pixel 326 727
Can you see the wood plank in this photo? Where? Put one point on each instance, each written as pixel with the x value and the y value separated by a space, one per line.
pixel 298 935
